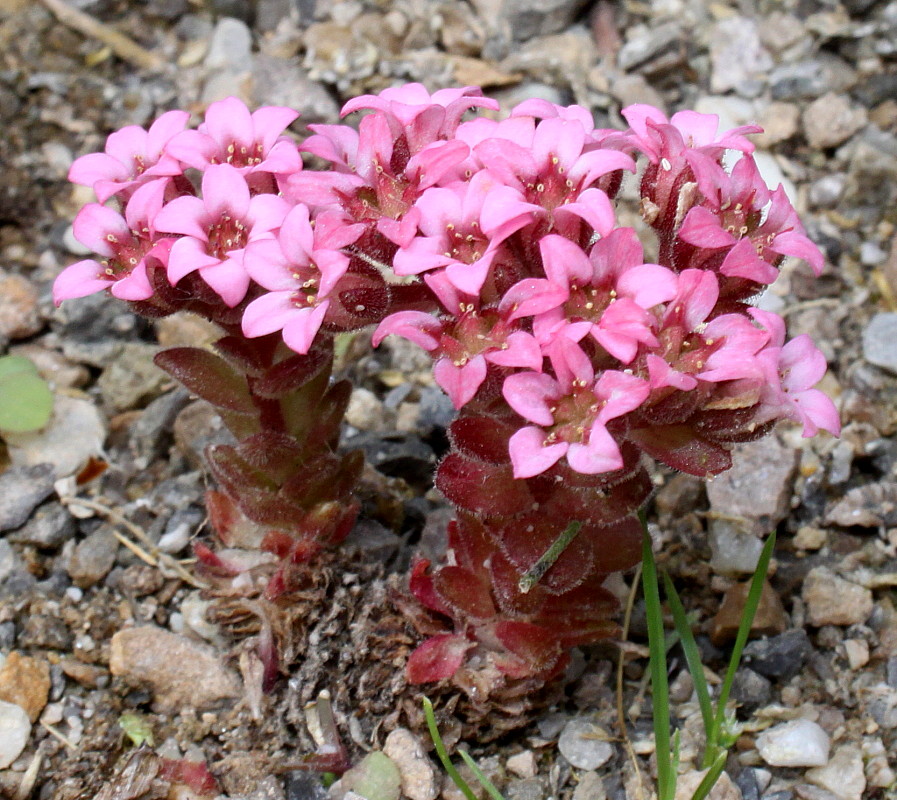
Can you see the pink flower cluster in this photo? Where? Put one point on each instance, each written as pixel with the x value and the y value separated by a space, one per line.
pixel 493 245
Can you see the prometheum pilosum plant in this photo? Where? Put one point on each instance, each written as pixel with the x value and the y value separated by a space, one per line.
pixel 493 245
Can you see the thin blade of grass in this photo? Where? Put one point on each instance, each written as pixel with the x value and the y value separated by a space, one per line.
pixel 443 753
pixel 692 654
pixel 480 776
pixel 744 629
pixel 710 779
pixel 666 778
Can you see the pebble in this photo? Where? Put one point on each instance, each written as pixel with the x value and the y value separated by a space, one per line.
pixel 644 44
pixel 15 728
pixel 20 315
pixel 231 45
pixel 590 787
pixel 807 80
pixel 53 367
pixel 738 59
pixel 831 120
pixel 831 600
pixel 278 82
pixel 880 341
pixel 733 553
pixel 132 379
pixel 375 777
pixel 779 657
pixel 825 192
pixel 757 489
pixel 799 743
pixel 365 411
pixel 22 489
pixel 843 775
pixel 857 652
pixel 420 780
pixel 25 681
pixel 523 765
pixel 196 427
pixel 181 672
pixel 769 620
pixel 750 690
pixel 584 744
pixel 526 19
pixel 76 432
pixel 780 121
pixel 149 436
pixel 49 527
pixel 526 789
pixel 93 557
pixel 878 771
pixel 724 789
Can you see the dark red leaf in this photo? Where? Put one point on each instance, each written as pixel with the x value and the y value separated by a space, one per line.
pixel 680 447
pixel 207 376
pixel 464 591
pixel 487 489
pixel 437 658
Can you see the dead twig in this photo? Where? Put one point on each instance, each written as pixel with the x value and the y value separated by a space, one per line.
pixel 123 46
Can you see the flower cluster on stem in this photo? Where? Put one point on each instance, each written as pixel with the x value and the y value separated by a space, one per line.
pixel 494 245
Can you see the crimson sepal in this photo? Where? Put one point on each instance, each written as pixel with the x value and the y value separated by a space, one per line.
pixel 438 658
pixel 680 447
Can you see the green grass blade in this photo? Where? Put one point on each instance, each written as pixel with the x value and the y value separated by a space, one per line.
pixel 710 779
pixel 480 776
pixel 744 629
pixel 443 754
pixel 666 777
pixel 692 654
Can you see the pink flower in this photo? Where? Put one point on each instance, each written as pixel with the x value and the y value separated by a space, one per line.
pixel 249 142
pixel 125 244
pixel 216 229
pixel 570 413
pixel 132 156
pixel 791 371
pixel 300 268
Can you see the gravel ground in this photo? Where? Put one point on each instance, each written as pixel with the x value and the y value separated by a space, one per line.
pixel 818 690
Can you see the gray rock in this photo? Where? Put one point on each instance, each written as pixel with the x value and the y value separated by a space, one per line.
pixel 750 690
pixel 22 489
pixel 590 787
pixel 278 82
pixel 738 59
pixel 799 743
pixel 15 728
pixel 807 80
pixel 748 784
pixel 10 563
pixel 93 328
pixel 132 379
pixel 733 553
pixel 231 45
pixel 880 341
pixel 527 789
pixel 93 557
pixel 584 744
pixel 825 192
pixel 843 775
pixel 831 120
pixel 527 19
pixel 779 657
pixel 757 489
pixel 181 672
pixel 420 780
pixel 150 435
pixel 49 527
pixel 645 44
pixel 834 601
pixel 436 410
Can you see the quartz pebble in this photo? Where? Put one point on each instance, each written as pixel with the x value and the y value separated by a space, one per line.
pixel 843 775
pixel 880 341
pixel 15 728
pixel 834 601
pixel 585 745
pixel 799 743
pixel 420 780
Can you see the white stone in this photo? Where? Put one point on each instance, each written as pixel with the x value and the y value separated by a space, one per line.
pixel 15 728
pixel 523 765
pixel 843 775
pixel 799 743
pixel 420 781
pixel 585 745
pixel 857 652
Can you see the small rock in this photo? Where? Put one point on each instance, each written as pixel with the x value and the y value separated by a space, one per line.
pixel 738 59
pixel 278 82
pixel 780 121
pixel 25 681
pixel 76 432
pixel 197 427
pixel 50 527
pixel 15 728
pixel 834 601
pixel 809 538
pixel 750 690
pixel 88 675
pixel 832 119
pixel 590 787
pixel 825 192
pixel 857 652
pixel 527 789
pixel 527 19
pixel 585 745
pixel 523 765
pixel 22 489
pixel 769 620
pixel 878 771
pixel 799 743
pixel 231 45
pixel 733 553
pixel 645 44
pixel 779 657
pixel 150 435
pixel 181 672
pixel 53 367
pixel 757 488
pixel 365 411
pixel 420 780
pixel 811 78
pixel 93 557
pixel 880 341
pixel 20 315
pixel 724 789
pixel 843 775
pixel 132 379
pixel 803 791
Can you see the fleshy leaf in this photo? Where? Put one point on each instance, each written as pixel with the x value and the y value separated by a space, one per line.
pixel 26 401
pixel 437 658
pixel 207 376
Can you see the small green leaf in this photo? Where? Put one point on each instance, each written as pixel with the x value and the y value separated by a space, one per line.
pixel 26 401
pixel 137 729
